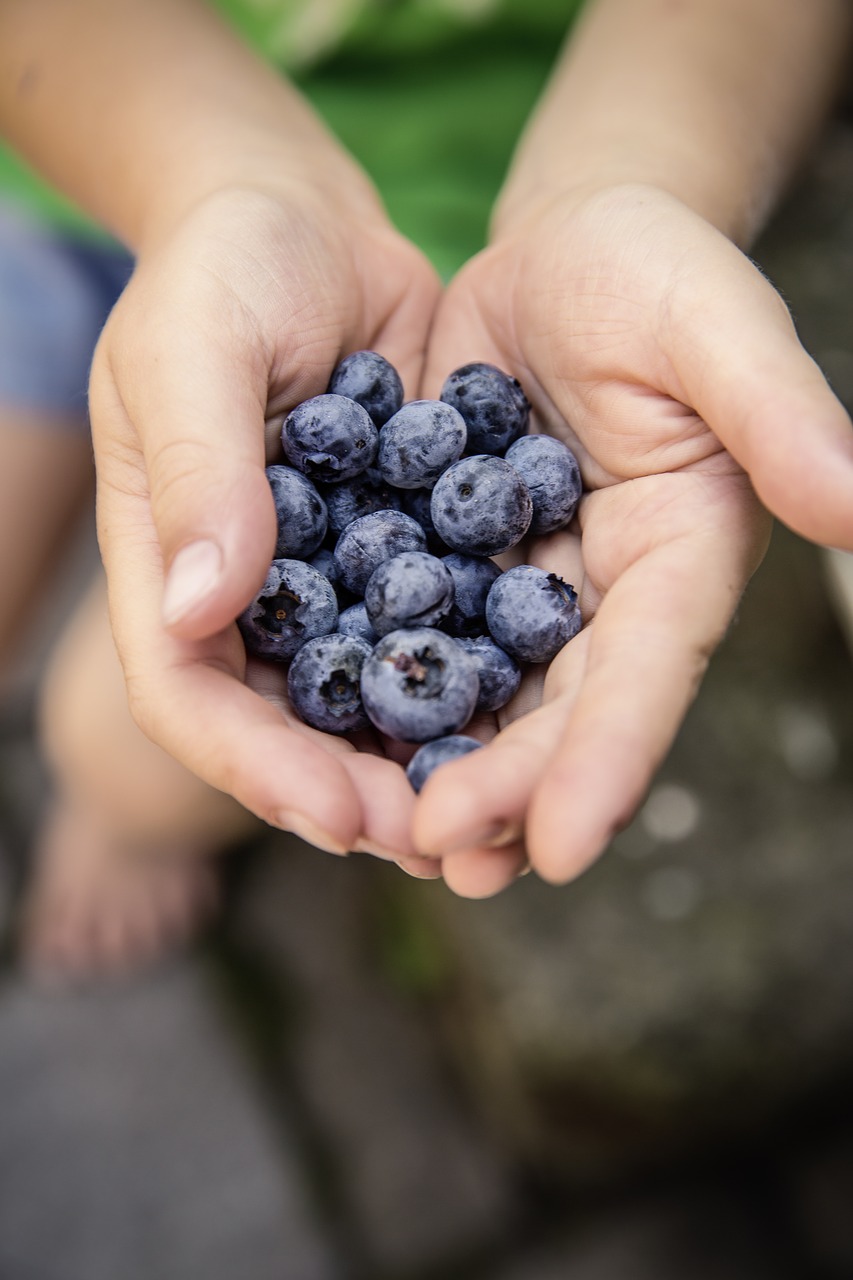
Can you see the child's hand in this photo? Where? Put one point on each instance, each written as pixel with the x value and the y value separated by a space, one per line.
pixel 659 353
pixel 238 314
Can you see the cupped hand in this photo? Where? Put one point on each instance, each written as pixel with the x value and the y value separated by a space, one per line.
pixel 662 356
pixel 235 316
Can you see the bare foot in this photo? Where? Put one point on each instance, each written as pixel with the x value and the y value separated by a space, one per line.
pixel 98 905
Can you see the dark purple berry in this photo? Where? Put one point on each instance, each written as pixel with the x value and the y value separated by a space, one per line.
pixel 369 540
pixel 495 409
pixel 551 473
pixel 413 589
pixel 532 613
pixel 295 604
pixel 440 751
pixel 324 683
pixel 472 580
pixel 481 506
pixel 300 513
pixel 419 684
pixel 500 675
pixel 370 380
pixel 416 503
pixel 353 621
pixel 329 438
pixel 419 442
pixel 360 496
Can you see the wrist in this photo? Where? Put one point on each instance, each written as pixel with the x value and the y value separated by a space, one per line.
pixel 728 205
pixel 314 176
pixel 138 110
pixel 713 102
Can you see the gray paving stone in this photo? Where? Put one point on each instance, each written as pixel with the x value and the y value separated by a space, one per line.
pixel 421 1180
pixel 696 980
pixel 134 1144
pixel 820 1183
pixel 6 882
pixel 679 1240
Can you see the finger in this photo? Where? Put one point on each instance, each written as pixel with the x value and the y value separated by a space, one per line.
pixel 399 331
pixel 461 332
pixel 239 742
pixel 648 649
pixel 615 695
pixel 386 801
pixel 189 698
pixel 186 427
pixel 481 873
pixel 480 800
pixel 385 795
pixel 773 410
pixel 421 868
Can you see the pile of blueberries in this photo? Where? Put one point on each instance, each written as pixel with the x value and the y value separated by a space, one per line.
pixel 383 596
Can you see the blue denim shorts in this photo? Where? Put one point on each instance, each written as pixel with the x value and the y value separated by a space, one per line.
pixel 56 291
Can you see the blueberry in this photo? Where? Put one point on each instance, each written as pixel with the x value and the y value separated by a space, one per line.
pixel 329 438
pixel 472 580
pixel 324 683
pixel 372 381
pixel 532 613
pixel 324 561
pixel 500 675
pixel 419 684
pixel 551 472
pixel 416 503
pixel 360 496
pixel 440 751
pixel 495 409
pixel 481 506
pixel 413 589
pixel 300 512
pixel 353 621
pixel 419 442
pixel 369 540
pixel 295 604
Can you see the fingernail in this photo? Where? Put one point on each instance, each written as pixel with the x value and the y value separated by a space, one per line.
pixel 492 837
pixel 376 850
pixel 308 831
pixel 510 833
pixel 193 574
pixel 421 868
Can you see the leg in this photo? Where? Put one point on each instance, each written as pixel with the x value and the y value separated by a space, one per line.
pixel 105 889
pixel 53 303
pixel 46 482
pixel 838 570
pixel 123 869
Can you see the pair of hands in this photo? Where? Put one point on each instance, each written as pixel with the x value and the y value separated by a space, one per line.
pixel 643 338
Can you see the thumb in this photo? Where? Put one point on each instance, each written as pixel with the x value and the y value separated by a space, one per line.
pixel 745 371
pixel 184 422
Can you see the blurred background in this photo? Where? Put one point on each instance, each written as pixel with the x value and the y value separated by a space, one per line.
pixel 355 1076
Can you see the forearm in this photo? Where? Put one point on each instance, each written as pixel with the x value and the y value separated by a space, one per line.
pixel 139 108
pixel 711 100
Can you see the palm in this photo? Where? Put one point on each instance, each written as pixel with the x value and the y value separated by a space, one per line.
pixel 241 316
pixel 670 529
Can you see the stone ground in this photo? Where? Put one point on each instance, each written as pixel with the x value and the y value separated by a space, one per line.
pixel 356 1077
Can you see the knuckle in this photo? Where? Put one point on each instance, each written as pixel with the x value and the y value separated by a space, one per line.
pixel 175 468
pixel 141 706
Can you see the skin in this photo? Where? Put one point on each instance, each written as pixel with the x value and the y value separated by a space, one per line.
pixel 233 205
pixel 47 468
pixel 612 287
